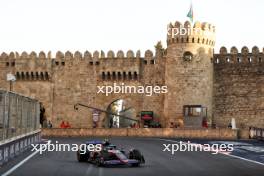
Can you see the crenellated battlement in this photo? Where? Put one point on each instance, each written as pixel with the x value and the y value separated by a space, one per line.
pixel 25 55
pixel 245 56
pixel 199 33
pixel 78 55
pixel 107 65
pixel 103 55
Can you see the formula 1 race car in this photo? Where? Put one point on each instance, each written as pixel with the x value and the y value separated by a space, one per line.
pixel 110 155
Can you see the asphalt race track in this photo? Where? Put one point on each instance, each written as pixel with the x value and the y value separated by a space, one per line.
pixel 157 162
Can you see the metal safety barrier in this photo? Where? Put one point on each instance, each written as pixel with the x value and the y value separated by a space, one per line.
pixel 18 145
pixel 19 124
pixel 256 133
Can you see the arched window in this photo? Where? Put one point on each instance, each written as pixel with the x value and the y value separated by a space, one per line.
pixel 27 76
pixel 32 75
pixel 108 76
pixel 135 75
pixel 103 76
pixel 187 56
pixel 37 75
pixel 129 75
pixel 124 75
pixel 41 76
pixel 119 76
pixel 22 76
pixel 46 75
pixel 114 75
pixel 17 75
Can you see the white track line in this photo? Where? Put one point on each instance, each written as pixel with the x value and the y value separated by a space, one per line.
pixel 227 154
pixel 245 159
pixel 20 164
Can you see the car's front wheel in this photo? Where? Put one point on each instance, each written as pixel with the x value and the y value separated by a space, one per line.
pixel 82 157
pixel 136 154
pixel 98 162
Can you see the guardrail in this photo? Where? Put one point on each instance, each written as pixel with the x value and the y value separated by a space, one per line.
pixel 19 124
pixel 15 146
pixel 18 115
pixel 256 133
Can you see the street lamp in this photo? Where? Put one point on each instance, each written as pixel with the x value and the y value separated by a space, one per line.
pixel 11 78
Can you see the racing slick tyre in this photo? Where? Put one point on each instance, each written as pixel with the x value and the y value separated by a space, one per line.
pixel 82 157
pixel 136 154
pixel 98 162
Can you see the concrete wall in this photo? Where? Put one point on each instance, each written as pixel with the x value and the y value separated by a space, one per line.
pixel 224 134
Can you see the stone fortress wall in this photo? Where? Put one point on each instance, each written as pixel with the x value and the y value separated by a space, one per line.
pixel 60 82
pixel 239 86
pixel 228 88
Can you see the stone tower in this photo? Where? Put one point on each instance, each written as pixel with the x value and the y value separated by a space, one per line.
pixel 189 69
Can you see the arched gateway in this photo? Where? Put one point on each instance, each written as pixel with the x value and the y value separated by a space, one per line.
pixel 124 115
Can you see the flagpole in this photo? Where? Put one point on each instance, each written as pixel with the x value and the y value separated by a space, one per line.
pixel 190 13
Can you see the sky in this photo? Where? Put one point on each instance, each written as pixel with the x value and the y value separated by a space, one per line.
pixel 51 25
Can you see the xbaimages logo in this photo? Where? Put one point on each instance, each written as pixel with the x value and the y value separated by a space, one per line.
pixel 125 89
pixel 193 147
pixel 58 147
pixel 187 31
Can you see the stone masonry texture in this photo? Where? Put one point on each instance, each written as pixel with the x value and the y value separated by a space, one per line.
pixel 228 84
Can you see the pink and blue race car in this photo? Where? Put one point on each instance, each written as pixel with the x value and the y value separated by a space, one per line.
pixel 109 155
